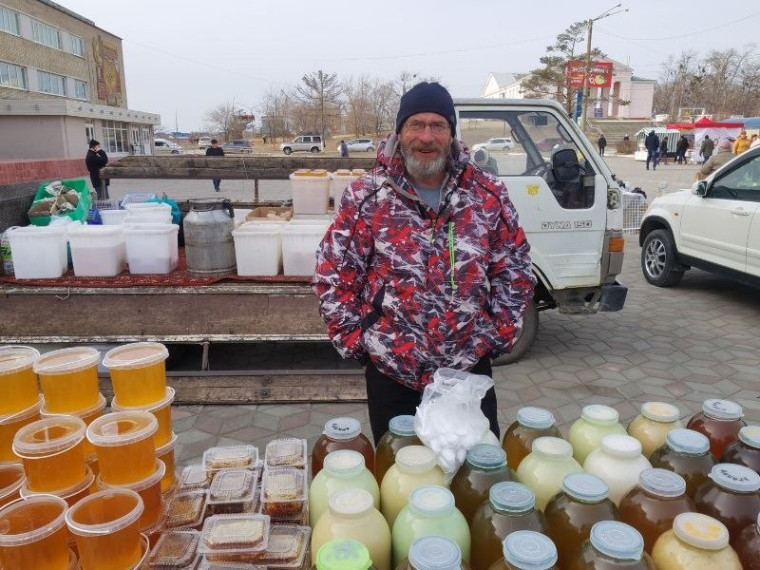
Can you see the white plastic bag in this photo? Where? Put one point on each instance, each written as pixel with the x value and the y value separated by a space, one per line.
pixel 449 419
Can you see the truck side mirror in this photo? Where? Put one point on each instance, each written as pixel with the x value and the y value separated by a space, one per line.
pixel 700 188
pixel 565 165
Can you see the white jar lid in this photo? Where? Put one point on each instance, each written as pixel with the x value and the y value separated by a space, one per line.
pixel 431 500
pixel 552 447
pixel 735 477
pixel 662 482
pixel 700 531
pixel 585 487
pixel 620 445
pixel 617 540
pixel 660 412
pixel 536 418
pixel 688 441
pixel 344 462
pixel 750 436
pixel 722 409
pixel 350 502
pixel 529 549
pixel 415 459
pixel 342 428
pixel 599 414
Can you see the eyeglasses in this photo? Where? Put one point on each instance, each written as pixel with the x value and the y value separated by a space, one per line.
pixel 437 128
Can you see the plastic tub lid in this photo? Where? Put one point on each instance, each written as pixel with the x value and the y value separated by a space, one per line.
pixel 141 485
pixel 512 497
pixel 344 462
pixel 135 355
pixel 621 445
pixel 13 477
pixel 725 410
pixel 78 230
pixel 750 436
pixel 585 487
pixel 735 477
pixel 122 428
pixel 162 403
pixel 415 459
pixel 48 436
pixel 536 418
pixel 599 414
pixel 660 412
pixel 193 477
pixel 552 446
pixel 285 452
pixel 123 521
pixel 66 360
pixel 100 406
pixel 16 508
pixel 435 553
pixel 16 358
pixel 688 441
pixel 343 554
pixel 23 414
pixel 530 549
pixel 486 456
pixel 148 228
pixel 350 502
pixel 133 206
pixel 168 446
pixel 662 482
pixel 83 485
pixel 402 426
pixel 700 531
pixel 617 540
pixel 342 428
pixel 431 500
pixel 186 509
pixel 175 549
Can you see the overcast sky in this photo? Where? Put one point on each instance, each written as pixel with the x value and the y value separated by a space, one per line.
pixel 185 57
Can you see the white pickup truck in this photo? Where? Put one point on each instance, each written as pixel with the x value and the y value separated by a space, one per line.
pixel 568 201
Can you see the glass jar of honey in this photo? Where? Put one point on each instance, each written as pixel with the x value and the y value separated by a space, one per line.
pixel 686 452
pixel 400 434
pixel 746 450
pixel 571 513
pixel 484 466
pixel 652 425
pixel 696 542
pixel 342 433
pixel 546 467
pixel 720 421
pixel 587 432
pixel 531 423
pixel 527 550
pixel 613 545
pixel 618 461
pixel 747 545
pixel 433 553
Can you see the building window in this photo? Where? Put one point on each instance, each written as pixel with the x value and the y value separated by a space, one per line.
pixel 12 75
pixel 9 21
pixel 77 46
pixel 46 35
pixel 51 83
pixel 115 136
pixel 80 89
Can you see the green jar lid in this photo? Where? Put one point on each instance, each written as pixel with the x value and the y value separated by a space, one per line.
pixel 343 554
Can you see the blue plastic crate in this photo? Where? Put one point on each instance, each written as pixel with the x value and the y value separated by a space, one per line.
pixel 137 198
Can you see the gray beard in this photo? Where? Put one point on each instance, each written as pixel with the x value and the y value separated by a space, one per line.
pixel 417 168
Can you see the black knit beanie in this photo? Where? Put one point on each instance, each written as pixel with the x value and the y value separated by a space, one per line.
pixel 427 98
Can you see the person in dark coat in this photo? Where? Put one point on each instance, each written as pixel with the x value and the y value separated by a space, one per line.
pixel 652 144
pixel 95 160
pixel 664 151
pixel 681 148
pixel 343 148
pixel 601 143
pixel 707 148
pixel 215 150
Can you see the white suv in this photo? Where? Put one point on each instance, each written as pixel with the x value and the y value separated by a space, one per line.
pixel 305 143
pixel 715 226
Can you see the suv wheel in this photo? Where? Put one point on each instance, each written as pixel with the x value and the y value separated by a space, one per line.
pixel 658 259
pixel 287 150
pixel 315 149
pixel 370 149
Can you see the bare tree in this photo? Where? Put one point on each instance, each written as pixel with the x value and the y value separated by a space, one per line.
pixel 384 102
pixel 275 109
pixel 221 119
pixel 359 104
pixel 321 92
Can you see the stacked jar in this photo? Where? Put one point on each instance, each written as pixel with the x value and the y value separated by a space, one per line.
pixel 342 433
pixel 587 432
pixel 531 423
pixel 686 452
pixel 400 434
pixel 652 425
pixel 720 421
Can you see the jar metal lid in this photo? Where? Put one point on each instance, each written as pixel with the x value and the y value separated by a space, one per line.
pixel 662 482
pixel 585 487
pixel 415 459
pixel 512 497
pixel 599 414
pixel 660 412
pixel 617 540
pixel 750 436
pixel 621 445
pixel 342 428
pixel 552 447
pixel 530 549
pixel 435 553
pixel 735 477
pixel 486 456
pixel 722 409
pixel 700 531
pixel 402 426
pixel 344 462
pixel 431 500
pixel 537 418
pixel 343 554
pixel 688 441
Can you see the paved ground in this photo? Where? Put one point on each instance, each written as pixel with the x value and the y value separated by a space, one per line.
pixel 681 345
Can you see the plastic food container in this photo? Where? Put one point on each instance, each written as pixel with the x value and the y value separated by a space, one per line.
pixel 287 547
pixel 233 491
pixel 176 549
pixel 230 457
pixel 311 191
pixel 299 246
pixel 258 249
pixel 9 425
pixel 97 251
pixel 194 477
pixel 38 252
pixel 12 479
pixel 138 373
pixel 18 383
pixel 283 492
pixel 124 445
pixel 69 379
pixel 105 526
pixel 72 495
pixel 234 534
pixel 186 509
pixel 149 490
pixel 287 452
pixel 34 534
pixel 151 248
pixel 166 454
pixel 52 453
pixel 87 416
pixel 113 217
pixel 162 411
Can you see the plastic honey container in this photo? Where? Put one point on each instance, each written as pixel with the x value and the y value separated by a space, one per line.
pixel 72 495
pixel 9 425
pixel 166 454
pixel 69 379
pixel 105 526
pixel 33 534
pixel 175 549
pixel 138 373
pixel 52 453
pixel 124 445
pixel 18 382
pixel 311 191
pixel 149 490
pixel 163 412
pixel 87 416
pixel 12 478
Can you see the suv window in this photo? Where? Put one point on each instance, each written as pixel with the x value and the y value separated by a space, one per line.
pixel 741 183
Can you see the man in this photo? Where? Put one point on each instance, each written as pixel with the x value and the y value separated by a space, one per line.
pixel 742 143
pixel 95 160
pixel 425 266
pixel 343 148
pixel 716 160
pixel 602 144
pixel 707 148
pixel 652 144
pixel 215 150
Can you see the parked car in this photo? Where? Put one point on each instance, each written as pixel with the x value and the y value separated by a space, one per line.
pixel 304 143
pixel 238 147
pixel 497 143
pixel 164 146
pixel 359 145
pixel 714 225
pixel 204 143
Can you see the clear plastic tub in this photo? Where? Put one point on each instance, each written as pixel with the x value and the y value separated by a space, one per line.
pixel 87 416
pixel 162 411
pixel 311 191
pixel 175 550
pixel 138 373
pixel 258 249
pixel 194 477
pixel 283 492
pixel 286 452
pixel 186 509
pixel 230 457
pixel 113 217
pixel 97 251
pixel 71 495
pixel 38 252
pixel 18 383
pixel 233 491
pixel 166 454
pixel 234 534
pixel 151 248
pixel 9 425
pixel 299 246
pixel 34 533
pixel 287 547
pixel 52 453
pixel 149 490
pixel 69 379
pixel 12 479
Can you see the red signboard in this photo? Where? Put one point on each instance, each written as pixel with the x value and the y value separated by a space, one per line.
pixel 599 74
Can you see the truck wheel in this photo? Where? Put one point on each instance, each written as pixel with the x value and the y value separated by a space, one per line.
pixel 287 150
pixel 525 339
pixel 658 259
pixel 315 149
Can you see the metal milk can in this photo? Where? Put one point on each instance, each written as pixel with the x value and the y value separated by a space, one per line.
pixel 209 247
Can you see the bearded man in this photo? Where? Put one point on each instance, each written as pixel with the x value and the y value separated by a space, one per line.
pixel 425 266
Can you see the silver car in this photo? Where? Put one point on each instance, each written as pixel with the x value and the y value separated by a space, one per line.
pixel 359 145
pixel 497 143
pixel 304 143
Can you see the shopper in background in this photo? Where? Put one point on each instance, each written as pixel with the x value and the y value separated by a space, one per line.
pixel 742 143
pixel 425 266
pixel 602 144
pixel 215 150
pixel 681 147
pixel 716 160
pixel 664 150
pixel 652 144
pixel 754 141
pixel 95 160
pixel 707 148
pixel 343 148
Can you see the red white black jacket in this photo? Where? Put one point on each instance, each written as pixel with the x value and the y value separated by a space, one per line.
pixel 414 289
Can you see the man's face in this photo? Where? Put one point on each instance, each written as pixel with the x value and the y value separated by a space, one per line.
pixel 425 141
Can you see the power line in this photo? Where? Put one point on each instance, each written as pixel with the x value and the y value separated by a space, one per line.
pixel 688 35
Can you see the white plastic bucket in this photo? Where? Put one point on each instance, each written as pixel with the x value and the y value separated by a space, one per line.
pixel 38 252
pixel 299 246
pixel 97 251
pixel 258 249
pixel 151 248
pixel 311 191
pixel 113 217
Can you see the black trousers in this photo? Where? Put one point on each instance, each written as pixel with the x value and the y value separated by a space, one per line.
pixel 387 399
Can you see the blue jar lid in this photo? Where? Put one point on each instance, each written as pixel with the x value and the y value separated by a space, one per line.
pixel 688 441
pixel 431 500
pixel 342 428
pixel 750 436
pixel 529 550
pixel 537 418
pixel 402 425
pixel 435 553
pixel 486 456
pixel 617 540
pixel 725 410
pixel 735 477
pixel 585 487
pixel 511 497
pixel 662 482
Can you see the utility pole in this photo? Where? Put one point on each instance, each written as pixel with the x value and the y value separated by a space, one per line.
pixel 617 9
